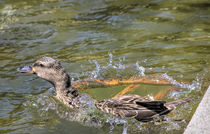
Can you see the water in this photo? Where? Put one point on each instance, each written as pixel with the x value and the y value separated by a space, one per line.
pixel 101 39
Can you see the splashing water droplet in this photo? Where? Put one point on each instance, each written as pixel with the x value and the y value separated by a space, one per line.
pixel 110 59
pixel 95 73
pixel 196 84
pixel 48 107
pixel 141 69
pixel 125 128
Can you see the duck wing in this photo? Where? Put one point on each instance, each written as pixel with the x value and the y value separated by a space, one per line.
pixel 133 106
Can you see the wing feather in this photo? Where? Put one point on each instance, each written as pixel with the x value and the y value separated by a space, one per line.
pixel 133 106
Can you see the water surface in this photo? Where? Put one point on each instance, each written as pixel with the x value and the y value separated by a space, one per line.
pixel 162 36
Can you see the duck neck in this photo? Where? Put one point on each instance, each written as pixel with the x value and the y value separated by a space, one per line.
pixel 62 83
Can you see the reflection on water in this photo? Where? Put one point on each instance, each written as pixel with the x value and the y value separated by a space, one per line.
pixel 145 37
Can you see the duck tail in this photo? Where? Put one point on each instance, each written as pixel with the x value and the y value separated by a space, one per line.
pixel 177 102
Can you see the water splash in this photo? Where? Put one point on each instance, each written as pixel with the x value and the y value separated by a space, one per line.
pixel 196 84
pixel 113 121
pixel 141 69
pixel 118 69
pixel 125 128
pixel 110 59
pixel 47 107
pixel 95 73
pixel 171 124
pixel 112 69
pixel 120 64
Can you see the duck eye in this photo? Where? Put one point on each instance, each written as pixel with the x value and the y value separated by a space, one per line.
pixel 41 65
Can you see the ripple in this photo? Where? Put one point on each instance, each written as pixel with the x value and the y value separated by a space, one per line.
pixel 26 34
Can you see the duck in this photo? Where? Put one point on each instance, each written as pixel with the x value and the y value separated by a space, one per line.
pixel 143 109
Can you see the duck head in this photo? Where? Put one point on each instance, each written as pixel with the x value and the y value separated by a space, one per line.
pixel 50 70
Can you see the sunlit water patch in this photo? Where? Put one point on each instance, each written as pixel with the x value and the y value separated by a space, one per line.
pixel 7 16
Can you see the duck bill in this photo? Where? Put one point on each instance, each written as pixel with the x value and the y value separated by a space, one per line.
pixel 26 69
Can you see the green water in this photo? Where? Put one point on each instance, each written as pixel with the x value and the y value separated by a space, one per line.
pixel 162 35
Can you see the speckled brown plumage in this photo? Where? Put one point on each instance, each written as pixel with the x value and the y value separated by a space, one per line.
pixel 126 106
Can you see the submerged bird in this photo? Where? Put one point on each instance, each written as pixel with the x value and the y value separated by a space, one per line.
pixel 125 106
